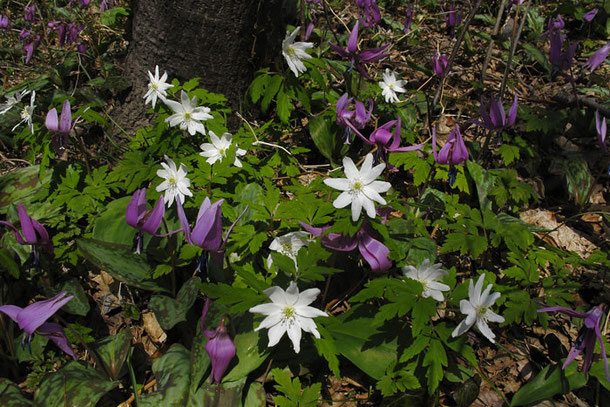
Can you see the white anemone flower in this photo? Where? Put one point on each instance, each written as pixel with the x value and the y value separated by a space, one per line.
pixel 176 184
pixel 477 310
pixel 289 245
pixel 187 114
pixel 360 188
pixel 217 149
pixel 289 312
pixel 294 52
pixel 390 85
pixel 428 275
pixel 157 87
pixel 12 100
pixel 26 114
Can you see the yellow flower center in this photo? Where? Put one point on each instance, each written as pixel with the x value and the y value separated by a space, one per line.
pixel 291 51
pixel 154 86
pixel 357 186
pixel 187 116
pixel 222 151
pixel 172 180
pixel 288 312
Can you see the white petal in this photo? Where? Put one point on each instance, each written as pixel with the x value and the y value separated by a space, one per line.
pixel 344 199
pixel 351 172
pixel 294 333
pixel 271 320
pixel 460 329
pixel 275 334
pixel 369 207
pixel 356 207
pixel 307 297
pixel 484 329
pixel 266 309
pixel 342 184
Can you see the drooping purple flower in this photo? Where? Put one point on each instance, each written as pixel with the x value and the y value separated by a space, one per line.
pixel 350 119
pixel 220 347
pixel 597 58
pixel 588 17
pixel 33 319
pixel 406 24
pixel 371 15
pixel 106 5
pixel 30 47
pixel 61 128
pixel 439 64
pixel 453 18
pixel 5 23
pixel 24 34
pixel 600 126
pixel 372 250
pixel 496 119
pixel 29 14
pixel 556 23
pixel 360 58
pixel 586 336
pixel 143 220
pixel 67 34
pixel 454 151
pixel 558 57
pixel 32 233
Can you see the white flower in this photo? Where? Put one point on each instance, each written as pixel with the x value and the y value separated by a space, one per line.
pixel 359 188
pixel 12 100
pixel 428 275
pixel 289 312
pixel 477 310
pixel 390 85
pixel 157 87
pixel 217 150
pixel 187 114
pixel 26 114
pixel 288 245
pixel 176 183
pixel 295 51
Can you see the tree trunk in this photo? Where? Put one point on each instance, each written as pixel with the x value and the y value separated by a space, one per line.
pixel 223 42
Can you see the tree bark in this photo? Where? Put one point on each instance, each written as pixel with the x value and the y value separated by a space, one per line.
pixel 223 42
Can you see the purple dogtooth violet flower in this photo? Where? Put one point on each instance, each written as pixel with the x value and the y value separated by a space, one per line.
pixel 453 18
pixel 588 17
pixel 372 250
pixel 61 128
pixel 439 64
pixel 406 23
pixel 597 58
pixel 32 233
pixel 586 336
pixel 30 47
pixel 359 58
pixel 33 319
pixel 371 15
pixel 106 5
pixel 453 153
pixel 493 115
pixel 601 128
pixel 138 217
pixel 349 119
pixel 220 347
pixel 207 232
pixel 5 23
pixel 29 14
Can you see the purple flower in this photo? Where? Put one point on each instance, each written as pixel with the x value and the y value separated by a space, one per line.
pixel 29 14
pixel 586 336
pixel 220 347
pixel 452 19
pixel 559 58
pixel 5 23
pixel 106 4
pixel 61 128
pixel 454 151
pixel 598 58
pixel 33 319
pixel 30 47
pixel 32 232
pixel 67 34
pixel 143 220
pixel 439 64
pixel 588 17
pixel 357 118
pixel 496 118
pixel 600 126
pixel 555 24
pixel 373 251
pixel 24 34
pixel 359 58
pixel 370 12
pixel 406 24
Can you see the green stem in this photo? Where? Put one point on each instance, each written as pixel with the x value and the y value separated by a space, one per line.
pixel 132 377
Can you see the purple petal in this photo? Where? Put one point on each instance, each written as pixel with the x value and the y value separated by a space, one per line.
pixel 36 314
pixel 26 225
pixel 373 251
pixel 342 243
pixel 588 343
pixel 315 232
pixel 352 43
pixel 485 116
pixel 12 311
pixel 51 121
pixel 381 136
pixel 221 350
pixel 309 30
pixel 373 54
pixel 207 233
pixel 66 117
pixel 574 352
pixel 601 127
pixel 512 112
pixel 136 208
pixel 496 112
pixel 43 236
pixel 183 221
pixel 563 310
pixel 598 58
pixel 460 153
pixel 204 312
pixel 18 236
pixel 155 217
pixel 590 15
pixel 56 333
pixel 342 52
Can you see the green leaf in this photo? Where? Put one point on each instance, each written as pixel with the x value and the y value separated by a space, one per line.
pixel 270 91
pixel 119 261
pixel 283 106
pixel 113 351
pixel 256 396
pixel 423 311
pixel 110 226
pixel 170 311
pixel 7 262
pixel 249 358
pixel 200 361
pixel 552 380
pixel 75 384
pixel 509 153
pixel 483 181
pixel 10 396
pixel 435 359
pixel 172 372
pixel 79 304
pixel 109 17
pixel 327 348
pixel 322 136
pixel 257 87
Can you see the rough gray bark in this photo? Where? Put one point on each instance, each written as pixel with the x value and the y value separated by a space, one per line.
pixel 223 42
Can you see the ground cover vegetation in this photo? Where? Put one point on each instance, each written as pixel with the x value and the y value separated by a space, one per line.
pixel 411 211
